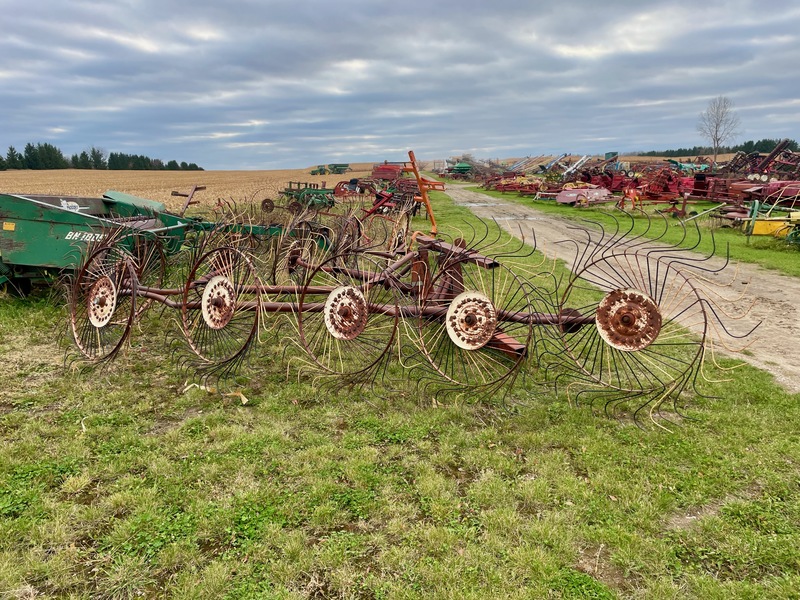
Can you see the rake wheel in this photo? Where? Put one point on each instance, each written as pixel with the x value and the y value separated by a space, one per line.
pixel 348 316
pixel 102 303
pixel 150 263
pixel 470 326
pixel 347 235
pixel 296 250
pixel 347 239
pixel 221 306
pixel 400 232
pixel 650 324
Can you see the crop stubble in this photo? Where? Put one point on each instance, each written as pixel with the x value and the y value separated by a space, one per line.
pixel 157 185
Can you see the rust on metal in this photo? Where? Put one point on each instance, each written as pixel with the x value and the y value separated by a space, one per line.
pixel 457 252
pixel 471 320
pixel 219 298
pixel 569 320
pixel 345 313
pixel 101 301
pixel 628 320
pixel 506 344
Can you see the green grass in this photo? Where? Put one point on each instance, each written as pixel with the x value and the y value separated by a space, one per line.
pixel 769 252
pixel 122 483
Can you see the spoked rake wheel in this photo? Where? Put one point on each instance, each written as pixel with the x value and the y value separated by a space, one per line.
pixel 474 325
pixel 400 233
pixel 221 308
pixel 649 325
pixel 295 251
pixel 347 237
pixel 150 264
pixel 102 303
pixel 348 315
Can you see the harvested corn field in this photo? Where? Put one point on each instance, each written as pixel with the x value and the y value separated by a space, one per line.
pixel 158 185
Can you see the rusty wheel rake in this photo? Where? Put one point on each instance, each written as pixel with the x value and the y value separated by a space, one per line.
pixel 627 330
pixel 150 265
pixel 102 302
pixel 296 253
pixel 347 238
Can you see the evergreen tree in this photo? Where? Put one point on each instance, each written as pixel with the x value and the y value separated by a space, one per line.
pixel 84 162
pixel 31 157
pixel 115 161
pixel 50 157
pixel 47 156
pixel 98 158
pixel 13 159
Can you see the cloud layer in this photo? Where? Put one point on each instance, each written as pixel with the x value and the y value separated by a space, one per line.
pixel 280 84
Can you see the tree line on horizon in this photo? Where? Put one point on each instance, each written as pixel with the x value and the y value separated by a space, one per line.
pixel 764 146
pixel 47 156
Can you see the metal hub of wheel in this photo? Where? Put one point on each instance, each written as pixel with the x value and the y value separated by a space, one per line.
pixel 345 312
pixel 102 300
pixel 628 320
pixel 219 298
pixel 471 320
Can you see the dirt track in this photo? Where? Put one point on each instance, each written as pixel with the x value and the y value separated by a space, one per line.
pixel 773 296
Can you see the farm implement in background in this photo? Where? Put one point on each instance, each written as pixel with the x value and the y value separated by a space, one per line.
pixel 43 236
pixel 772 220
pixel 331 169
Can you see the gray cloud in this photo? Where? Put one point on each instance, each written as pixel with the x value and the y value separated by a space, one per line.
pixel 279 84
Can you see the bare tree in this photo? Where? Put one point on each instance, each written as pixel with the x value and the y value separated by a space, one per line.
pixel 718 123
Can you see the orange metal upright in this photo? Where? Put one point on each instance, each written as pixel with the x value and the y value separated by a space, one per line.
pixel 424 185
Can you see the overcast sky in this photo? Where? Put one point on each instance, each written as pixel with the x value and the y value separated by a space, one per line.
pixel 287 84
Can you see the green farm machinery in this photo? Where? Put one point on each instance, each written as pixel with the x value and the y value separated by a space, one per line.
pixel 338 168
pixel 331 169
pixel 42 236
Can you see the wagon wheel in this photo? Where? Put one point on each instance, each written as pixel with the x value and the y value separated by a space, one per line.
pixel 647 324
pixel 221 306
pixel 349 327
pixel 471 325
pixel 102 303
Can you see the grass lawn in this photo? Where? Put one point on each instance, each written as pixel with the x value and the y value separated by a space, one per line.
pixel 126 482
